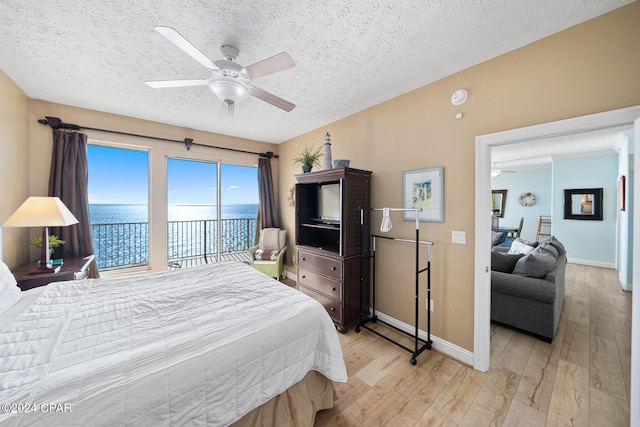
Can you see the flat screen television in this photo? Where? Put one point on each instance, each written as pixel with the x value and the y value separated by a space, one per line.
pixel 329 203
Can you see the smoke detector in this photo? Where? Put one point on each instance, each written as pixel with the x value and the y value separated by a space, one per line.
pixel 459 97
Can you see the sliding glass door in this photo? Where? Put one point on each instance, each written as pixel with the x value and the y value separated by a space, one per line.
pixel 212 211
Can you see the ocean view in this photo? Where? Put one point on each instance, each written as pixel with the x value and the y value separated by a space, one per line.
pixel 121 236
pixel 120 213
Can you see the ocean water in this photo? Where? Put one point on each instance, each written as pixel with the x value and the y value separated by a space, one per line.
pixel 121 232
pixel 115 214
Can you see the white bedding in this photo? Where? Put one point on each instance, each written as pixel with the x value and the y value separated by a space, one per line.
pixel 201 346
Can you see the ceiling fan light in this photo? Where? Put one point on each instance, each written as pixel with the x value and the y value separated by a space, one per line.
pixel 229 91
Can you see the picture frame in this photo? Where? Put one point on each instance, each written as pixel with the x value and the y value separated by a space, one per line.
pixel 583 204
pixel 423 188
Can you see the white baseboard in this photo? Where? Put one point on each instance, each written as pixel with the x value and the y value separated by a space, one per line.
pixel 592 263
pixel 445 347
pixel 290 275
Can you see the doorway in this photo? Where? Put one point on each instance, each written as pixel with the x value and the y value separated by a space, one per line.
pixel 484 143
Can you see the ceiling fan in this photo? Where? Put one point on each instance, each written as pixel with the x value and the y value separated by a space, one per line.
pixel 229 81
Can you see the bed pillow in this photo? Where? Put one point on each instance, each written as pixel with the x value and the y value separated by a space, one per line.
pixel 9 290
pixel 519 247
pixel 504 262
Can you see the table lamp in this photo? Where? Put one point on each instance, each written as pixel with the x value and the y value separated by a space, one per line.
pixel 42 212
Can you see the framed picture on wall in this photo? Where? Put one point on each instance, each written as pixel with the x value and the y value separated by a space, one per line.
pixel 423 189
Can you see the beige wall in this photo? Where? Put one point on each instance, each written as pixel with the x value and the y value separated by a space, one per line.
pixel 14 167
pixel 590 68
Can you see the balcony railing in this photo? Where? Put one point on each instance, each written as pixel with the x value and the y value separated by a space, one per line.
pixel 121 245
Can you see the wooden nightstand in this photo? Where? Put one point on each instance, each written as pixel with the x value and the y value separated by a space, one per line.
pixel 71 269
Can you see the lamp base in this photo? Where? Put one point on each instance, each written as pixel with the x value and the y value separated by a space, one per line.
pixel 45 270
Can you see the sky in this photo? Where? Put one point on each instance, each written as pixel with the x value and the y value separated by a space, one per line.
pixel 119 176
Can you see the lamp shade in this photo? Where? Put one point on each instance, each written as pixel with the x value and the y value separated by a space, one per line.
pixel 41 212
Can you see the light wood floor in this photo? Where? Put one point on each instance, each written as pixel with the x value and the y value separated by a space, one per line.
pixel 581 379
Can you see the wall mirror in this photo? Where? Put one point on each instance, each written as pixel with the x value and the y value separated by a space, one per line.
pixel 583 203
pixel 498 197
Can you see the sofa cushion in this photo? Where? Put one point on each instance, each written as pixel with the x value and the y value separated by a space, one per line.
pixel 535 265
pixel 504 262
pixel 519 247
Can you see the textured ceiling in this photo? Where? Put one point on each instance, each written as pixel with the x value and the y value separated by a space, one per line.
pixel 350 55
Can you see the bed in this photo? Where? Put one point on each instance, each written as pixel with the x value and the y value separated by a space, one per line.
pixel 210 345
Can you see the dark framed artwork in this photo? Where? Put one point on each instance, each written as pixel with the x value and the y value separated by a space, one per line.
pixel 498 199
pixel 583 204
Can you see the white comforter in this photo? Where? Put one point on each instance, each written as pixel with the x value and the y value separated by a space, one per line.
pixel 202 346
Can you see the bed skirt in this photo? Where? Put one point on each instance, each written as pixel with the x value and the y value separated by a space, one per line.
pixel 296 406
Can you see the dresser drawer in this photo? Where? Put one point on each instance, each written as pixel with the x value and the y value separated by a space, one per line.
pixel 333 307
pixel 324 265
pixel 320 283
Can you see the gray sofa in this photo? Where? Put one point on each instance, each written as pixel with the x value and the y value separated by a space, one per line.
pixel 530 296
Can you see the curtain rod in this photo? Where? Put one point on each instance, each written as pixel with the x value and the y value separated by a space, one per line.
pixel 56 123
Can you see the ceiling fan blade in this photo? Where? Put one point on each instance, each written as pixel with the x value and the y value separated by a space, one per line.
pixel 176 83
pixel 276 63
pixel 272 99
pixel 174 37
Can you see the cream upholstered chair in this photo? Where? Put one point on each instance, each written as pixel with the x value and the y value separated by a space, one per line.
pixel 268 255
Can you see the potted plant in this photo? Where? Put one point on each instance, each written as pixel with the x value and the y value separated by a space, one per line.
pixel 54 242
pixel 308 157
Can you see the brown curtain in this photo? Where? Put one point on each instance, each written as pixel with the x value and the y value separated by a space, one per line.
pixel 68 180
pixel 267 212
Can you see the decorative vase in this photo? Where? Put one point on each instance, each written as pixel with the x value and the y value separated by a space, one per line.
pixel 306 168
pixel 327 152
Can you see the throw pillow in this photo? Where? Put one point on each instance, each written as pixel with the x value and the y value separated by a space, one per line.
pixel 519 247
pixel 504 262
pixel 498 237
pixel 528 242
pixel 536 265
pixel 548 247
pixel 9 291
pixel 556 244
pixel 267 255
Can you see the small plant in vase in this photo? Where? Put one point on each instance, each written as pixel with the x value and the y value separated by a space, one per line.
pixel 54 242
pixel 308 157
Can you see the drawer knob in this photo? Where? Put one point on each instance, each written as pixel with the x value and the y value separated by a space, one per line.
pixel 332 309
pixel 304 259
pixel 304 277
pixel 333 289
pixel 333 268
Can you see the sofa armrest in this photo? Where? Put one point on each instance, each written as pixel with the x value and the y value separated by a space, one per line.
pixel 523 287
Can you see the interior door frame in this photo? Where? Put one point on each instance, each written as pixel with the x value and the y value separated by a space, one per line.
pixel 482 276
